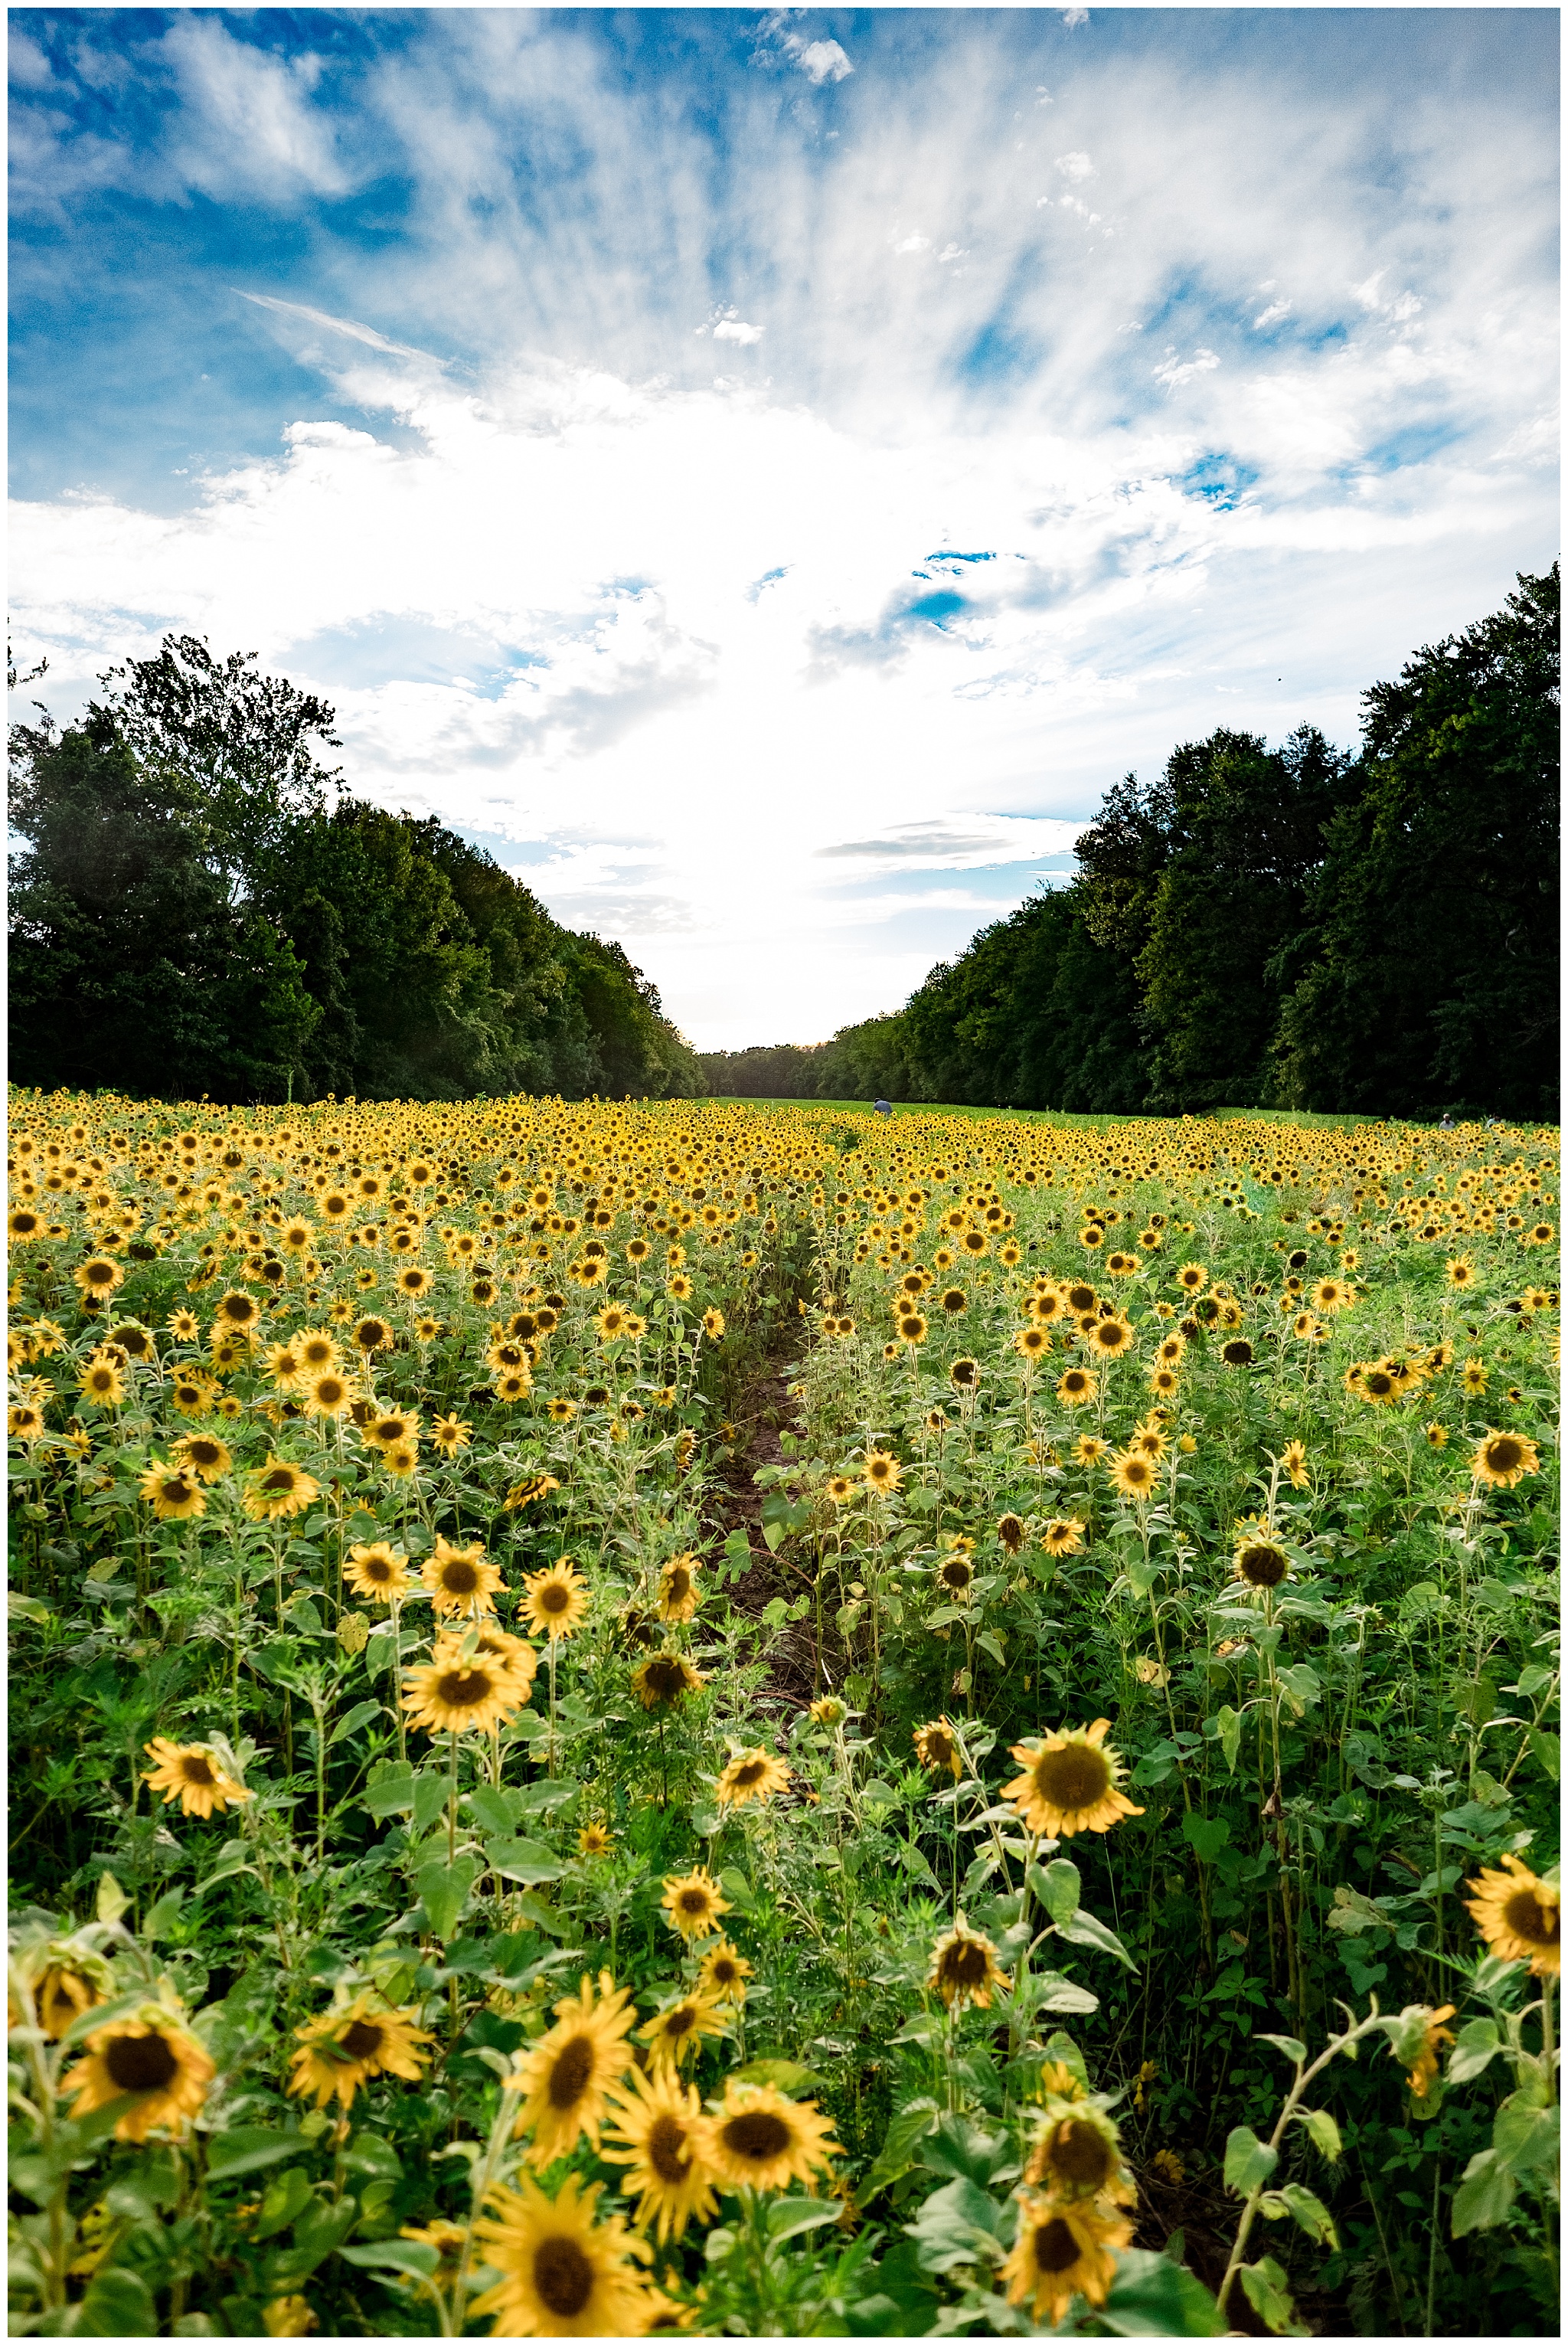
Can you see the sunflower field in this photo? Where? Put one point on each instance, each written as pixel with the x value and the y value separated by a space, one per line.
pixel 681 1716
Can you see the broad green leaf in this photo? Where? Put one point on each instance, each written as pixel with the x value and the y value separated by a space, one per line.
pixel 1484 2196
pixel 444 1891
pixel 118 2303
pixel 1081 1929
pixel 495 1812
pixel 1269 2294
pixel 959 2224
pixel 286 2197
pixel 789 2216
pixel 1525 2137
pixel 1478 2043
pixel 112 1899
pixel 1311 2213
pixel 1152 2296
pixel 245 2149
pixel 1230 1735
pixel 528 1861
pixel 788 2075
pixel 1207 1835
pixel 408 2256
pixel 1324 2133
pixel 1055 1992
pixel 1058 1887
pixel 1249 2162
pixel 1291 2045
pixel 905 2129
pixel 392 1791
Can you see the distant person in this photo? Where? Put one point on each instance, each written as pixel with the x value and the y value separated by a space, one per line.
pixel 884 1107
pixel 1447 1124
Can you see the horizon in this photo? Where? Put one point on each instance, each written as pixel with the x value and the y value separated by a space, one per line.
pixel 763 476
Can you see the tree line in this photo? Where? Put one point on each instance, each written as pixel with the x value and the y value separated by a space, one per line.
pixel 1372 931
pixel 198 906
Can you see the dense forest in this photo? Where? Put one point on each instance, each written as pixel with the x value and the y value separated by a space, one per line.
pixel 1373 932
pixel 199 908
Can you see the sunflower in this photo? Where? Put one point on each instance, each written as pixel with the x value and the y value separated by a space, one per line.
pixel 279 1489
pixel 712 1325
pixel 693 1904
pixel 1472 1377
pixel 565 2076
pixel 1063 1535
pixel 1519 1915
pixel 1110 1337
pixel 1505 1458
pixel 343 2049
pixel 664 1680
pixel 185 1327
pixel 1259 1561
pixel 724 1973
pixel 883 1471
pixel 189 1773
pixel 555 1601
pixel 1077 1387
pixel 758 2140
pixel 1033 1343
pixel 1435 2037
pixel 1134 1473
pixel 1436 1434
pixel 679 2028
pixel 387 1428
pixel 561 2274
pixel 1077 2156
pixel 955 1572
pixel 1070 1783
pixel 963 1375
pixel 1379 1385
pixel 100 1382
pixel 678 1590
pixel 23 1226
pixel 460 1578
pixel 151 2056
pixel 373 1334
pixel 379 1572
pixel 174 1494
pixel 1237 1352
pixel 329 1394
pixel 912 1328
pixel 1061 2253
pixel 841 1489
pixel 1294 1461
pixel 65 1995
pixel 594 1840
pixel 1192 1277
pixel 530 1491
pixel 1459 1271
pixel 1089 1449
pixel 205 1454
pixel 25 1421
pixel 314 1352
pixel 655 2132
pixel 751 1775
pixel 936 1746
pixel 98 1276
pixel 236 1313
pixel 454 1694
pixel 963 1968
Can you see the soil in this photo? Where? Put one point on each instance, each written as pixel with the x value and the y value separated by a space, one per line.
pixel 736 1504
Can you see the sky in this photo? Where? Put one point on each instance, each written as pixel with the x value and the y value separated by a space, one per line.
pixel 763 475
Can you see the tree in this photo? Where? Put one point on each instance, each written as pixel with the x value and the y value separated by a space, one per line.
pixel 1432 954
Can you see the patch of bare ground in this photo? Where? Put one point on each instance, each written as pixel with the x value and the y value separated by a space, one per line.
pixel 735 1503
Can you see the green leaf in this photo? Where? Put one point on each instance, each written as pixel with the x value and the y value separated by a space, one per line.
pixel 1311 2213
pixel 429 1800
pixel 1478 2042
pixel 118 2303
pixel 1291 2045
pixel 444 1891
pixel 738 1890
pixel 1324 2133
pixel 959 2224
pixel 528 1861
pixel 1081 1929
pixel 789 2216
pixel 1525 2137
pixel 1302 1687
pixel 112 1898
pixel 411 2257
pixel 956 2145
pixel 1484 2196
pixel 360 1715
pixel 1230 1735
pixel 495 1812
pixel 1055 1992
pixel 788 2075
pixel 162 1915
pixel 390 1791
pixel 1207 1835
pixel 1249 2162
pixel 286 2197
pixel 1548 1748
pixel 1269 2294
pixel 1152 2296
pixel 245 2149
pixel 906 2130
pixel 1058 1886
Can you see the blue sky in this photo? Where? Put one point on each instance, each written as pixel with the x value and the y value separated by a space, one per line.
pixel 766 473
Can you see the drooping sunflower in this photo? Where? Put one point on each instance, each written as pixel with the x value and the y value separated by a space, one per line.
pixel 373 1334
pixel 664 1680
pixel 936 1746
pixel 1070 1783
pixel 205 1454
pixel 656 2131
pixel 676 2032
pixel 1519 1915
pixel 1294 1461
pixel 343 2049
pixel 556 1600
pixel 151 2055
pixel 753 1774
pixel 561 2274
pixel 964 1375
pixel 1062 2252
pixel 452 1694
pixel 65 1993
pixel 1135 1473
pixel 379 1571
pixel 678 1590
pixel 1076 1387
pixel 955 1572
pixel 566 2076
pixel 757 2140
pixel 528 1491
pixel 1435 2039
pixel 693 1904
pixel 460 1580
pixel 1259 1561
pixel 724 1973
pixel 963 1968
pixel 1505 1458
pixel 189 1773
pixel 1063 1535
pixel 1077 2156
pixel 174 1494
pixel 279 1489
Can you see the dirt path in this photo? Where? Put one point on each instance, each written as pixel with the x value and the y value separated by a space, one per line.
pixel 735 1503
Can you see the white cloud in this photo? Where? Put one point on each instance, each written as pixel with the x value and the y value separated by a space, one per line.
pixel 1176 370
pixel 1271 316
pixel 736 329
pixel 248 123
pixel 1072 18
pixel 915 243
pixel 1075 167
pixel 822 61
